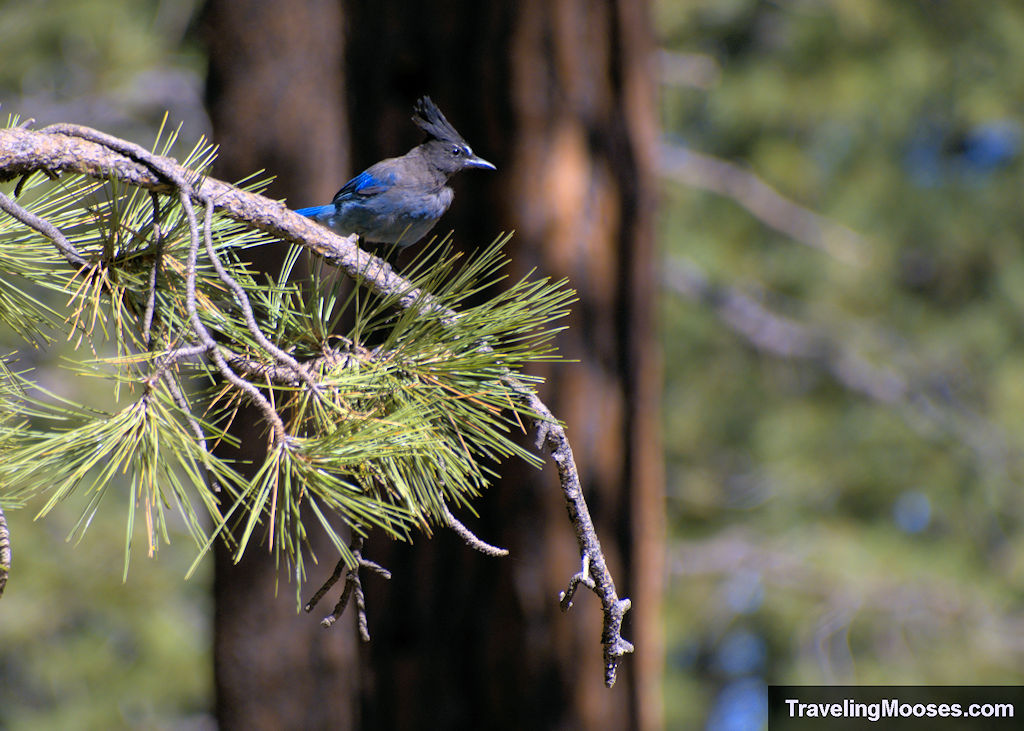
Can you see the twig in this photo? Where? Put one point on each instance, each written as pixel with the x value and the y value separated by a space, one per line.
pixel 158 254
pixel 580 577
pixel 286 376
pixel 44 227
pixel 269 413
pixel 179 398
pixel 551 435
pixel 5 551
pixel 353 586
pixel 163 166
pixel 24 179
pixel 468 536
pixel 884 383
pixel 242 299
pixel 181 353
pixel 783 337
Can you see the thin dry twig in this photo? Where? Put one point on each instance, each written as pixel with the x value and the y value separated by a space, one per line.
pixel 920 400
pixel 469 537
pixel 595 573
pixel 353 587
pixel 44 227
pixel 580 577
pixel 763 201
pixel 784 337
pixel 178 396
pixel 213 351
pixel 5 551
pixel 242 299
pixel 154 272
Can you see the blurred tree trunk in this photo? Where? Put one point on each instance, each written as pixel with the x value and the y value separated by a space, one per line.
pixel 274 95
pixel 560 95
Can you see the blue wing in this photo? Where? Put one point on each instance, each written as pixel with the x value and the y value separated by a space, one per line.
pixel 365 184
pixel 382 205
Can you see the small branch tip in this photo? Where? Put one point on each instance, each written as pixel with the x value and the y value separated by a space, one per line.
pixel 469 537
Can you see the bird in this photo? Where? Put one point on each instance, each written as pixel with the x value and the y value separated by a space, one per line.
pixel 398 200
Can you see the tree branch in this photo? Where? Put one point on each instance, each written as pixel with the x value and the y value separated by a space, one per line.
pixel 84 151
pixel 763 201
pixel 595 573
pixel 5 551
pixel 920 400
pixel 469 537
pixel 353 587
pixel 44 227
pixel 154 273
pixel 71 149
pixel 783 337
pixel 242 299
pixel 206 339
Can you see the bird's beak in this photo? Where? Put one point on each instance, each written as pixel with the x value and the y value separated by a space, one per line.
pixel 478 162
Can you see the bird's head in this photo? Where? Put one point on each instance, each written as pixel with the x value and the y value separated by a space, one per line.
pixel 445 147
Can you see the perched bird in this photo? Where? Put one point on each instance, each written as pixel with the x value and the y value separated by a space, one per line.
pixel 398 200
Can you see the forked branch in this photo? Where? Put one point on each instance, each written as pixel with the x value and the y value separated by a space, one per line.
pixel 81 150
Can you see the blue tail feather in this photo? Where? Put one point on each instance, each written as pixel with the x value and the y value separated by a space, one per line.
pixel 316 211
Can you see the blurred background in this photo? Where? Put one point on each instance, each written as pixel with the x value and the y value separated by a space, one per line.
pixel 794 229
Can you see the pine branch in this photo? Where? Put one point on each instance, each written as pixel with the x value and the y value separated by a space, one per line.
pixel 397 489
pixel 919 400
pixel 594 573
pixel 73 149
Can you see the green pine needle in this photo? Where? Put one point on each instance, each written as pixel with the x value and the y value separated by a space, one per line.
pixel 415 410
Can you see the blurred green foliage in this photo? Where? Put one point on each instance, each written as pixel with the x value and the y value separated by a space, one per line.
pixel 819 535
pixel 79 649
pixel 88 48
pixel 117 65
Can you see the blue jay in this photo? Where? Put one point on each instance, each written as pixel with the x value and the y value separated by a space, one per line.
pixel 398 200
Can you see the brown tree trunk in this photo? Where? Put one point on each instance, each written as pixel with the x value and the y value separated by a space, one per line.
pixel 274 94
pixel 560 95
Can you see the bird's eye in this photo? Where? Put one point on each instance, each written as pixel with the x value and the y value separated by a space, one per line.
pixel 456 151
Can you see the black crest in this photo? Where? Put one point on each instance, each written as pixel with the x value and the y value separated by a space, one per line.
pixel 428 117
